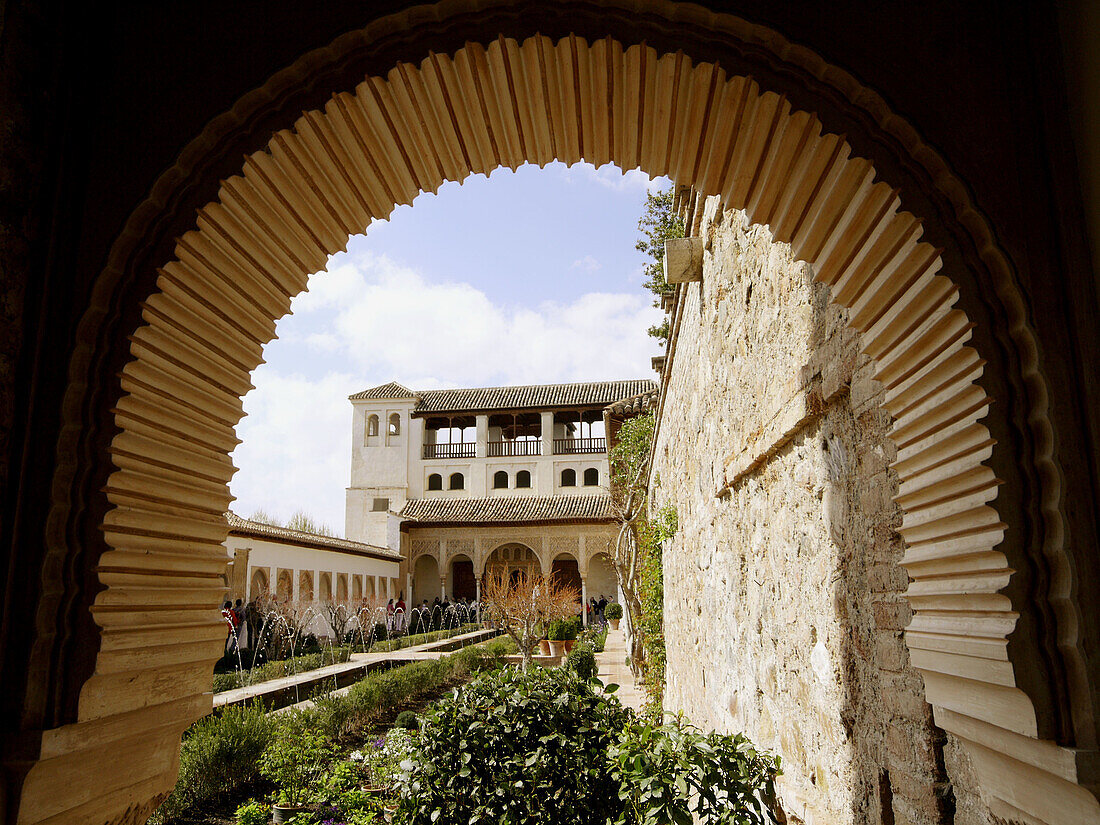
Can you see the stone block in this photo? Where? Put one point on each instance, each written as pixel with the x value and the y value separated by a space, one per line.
pixel 683 260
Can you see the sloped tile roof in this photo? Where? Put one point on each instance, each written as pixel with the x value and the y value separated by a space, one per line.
pixel 635 405
pixel 384 392
pixel 243 526
pixel 533 397
pixel 510 509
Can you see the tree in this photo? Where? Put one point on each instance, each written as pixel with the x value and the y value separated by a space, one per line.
pixel 340 616
pixel 305 523
pixel 629 460
pixel 525 605
pixel 658 224
pixel 263 517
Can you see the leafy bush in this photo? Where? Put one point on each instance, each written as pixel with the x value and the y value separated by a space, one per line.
pixel 563 630
pixel 613 611
pixel 582 661
pixel 253 813
pixel 407 719
pixel 674 773
pixel 219 755
pixel 380 632
pixel 516 747
pixel 296 758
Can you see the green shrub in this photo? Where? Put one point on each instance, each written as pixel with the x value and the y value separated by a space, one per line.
pixel 253 813
pixel 563 630
pixel 407 719
pixel 219 755
pixel 296 758
pixel 515 747
pixel 380 632
pixel 613 611
pixel 582 661
pixel 674 773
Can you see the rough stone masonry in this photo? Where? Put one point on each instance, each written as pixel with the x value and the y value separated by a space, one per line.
pixel 783 594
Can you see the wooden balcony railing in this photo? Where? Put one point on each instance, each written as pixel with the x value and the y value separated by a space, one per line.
pixel 573 446
pixel 505 448
pixel 464 450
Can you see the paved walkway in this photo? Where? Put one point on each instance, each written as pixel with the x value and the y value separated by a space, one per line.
pixel 614 669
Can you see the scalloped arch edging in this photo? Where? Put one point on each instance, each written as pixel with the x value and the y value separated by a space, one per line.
pixel 505 104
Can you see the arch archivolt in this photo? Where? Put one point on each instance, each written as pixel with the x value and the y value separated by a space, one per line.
pixel 297 201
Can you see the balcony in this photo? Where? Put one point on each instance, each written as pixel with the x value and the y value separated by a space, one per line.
pixel 578 446
pixel 462 450
pixel 512 448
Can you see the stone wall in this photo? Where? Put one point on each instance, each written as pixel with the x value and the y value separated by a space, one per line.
pixel 784 609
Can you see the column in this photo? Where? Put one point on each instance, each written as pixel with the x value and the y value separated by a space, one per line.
pixel 547 433
pixel 584 600
pixel 443 588
pixel 482 448
pixel 477 597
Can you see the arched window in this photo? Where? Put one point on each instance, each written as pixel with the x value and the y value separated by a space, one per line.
pixel 372 426
pixel 457 481
pixel 500 479
pixel 435 481
pixel 523 479
pixel 568 478
pixel 395 424
pixel 591 477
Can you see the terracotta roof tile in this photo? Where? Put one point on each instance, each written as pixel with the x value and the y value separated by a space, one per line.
pixel 384 392
pixel 533 397
pixel 513 509
pixel 635 405
pixel 257 528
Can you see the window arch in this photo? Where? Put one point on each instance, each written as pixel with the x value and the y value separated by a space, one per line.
pixel 395 424
pixel 569 478
pixel 523 478
pixel 435 481
pixel 500 479
pixel 591 477
pixel 372 426
pixel 458 481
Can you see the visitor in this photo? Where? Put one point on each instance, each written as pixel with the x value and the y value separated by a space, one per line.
pixel 238 624
pixel 602 605
pixel 399 613
pixel 389 616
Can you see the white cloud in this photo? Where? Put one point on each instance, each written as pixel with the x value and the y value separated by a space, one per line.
pixel 612 177
pixel 587 264
pixel 369 320
pixel 295 451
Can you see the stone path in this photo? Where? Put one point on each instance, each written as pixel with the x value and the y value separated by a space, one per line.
pixel 614 669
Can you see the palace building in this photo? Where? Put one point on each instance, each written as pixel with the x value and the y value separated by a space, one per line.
pixel 459 481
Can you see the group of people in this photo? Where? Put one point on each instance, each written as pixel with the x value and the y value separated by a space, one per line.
pixel 596 608
pixel 420 617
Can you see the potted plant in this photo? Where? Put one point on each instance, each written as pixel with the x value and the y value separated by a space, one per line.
pixel 544 640
pixel 295 761
pixel 572 631
pixel 613 612
pixel 557 633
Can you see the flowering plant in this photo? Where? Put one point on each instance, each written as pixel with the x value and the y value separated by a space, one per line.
pixel 383 757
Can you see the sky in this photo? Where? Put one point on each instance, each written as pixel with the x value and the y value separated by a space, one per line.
pixel 525 277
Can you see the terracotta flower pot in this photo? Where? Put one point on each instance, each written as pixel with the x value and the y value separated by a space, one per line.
pixel 544 647
pixel 614 623
pixel 557 648
pixel 569 644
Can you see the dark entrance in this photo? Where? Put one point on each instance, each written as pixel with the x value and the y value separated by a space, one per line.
pixel 463 585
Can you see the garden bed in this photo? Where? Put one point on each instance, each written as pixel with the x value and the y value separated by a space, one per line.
pixel 219 763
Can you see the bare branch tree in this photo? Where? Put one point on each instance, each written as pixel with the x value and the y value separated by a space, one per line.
pixel 629 461
pixel 526 605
